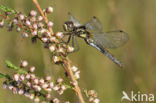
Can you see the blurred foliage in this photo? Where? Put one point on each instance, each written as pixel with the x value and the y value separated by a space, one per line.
pixel 136 17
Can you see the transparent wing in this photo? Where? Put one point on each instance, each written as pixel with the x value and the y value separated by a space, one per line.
pixel 94 24
pixel 112 39
pixel 74 20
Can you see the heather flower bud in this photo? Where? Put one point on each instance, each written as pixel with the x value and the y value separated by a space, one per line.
pixel 49 9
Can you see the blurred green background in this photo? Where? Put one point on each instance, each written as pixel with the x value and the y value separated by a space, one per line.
pixel 136 17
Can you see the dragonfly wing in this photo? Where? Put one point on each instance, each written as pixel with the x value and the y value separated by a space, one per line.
pixel 94 24
pixel 112 39
pixel 74 20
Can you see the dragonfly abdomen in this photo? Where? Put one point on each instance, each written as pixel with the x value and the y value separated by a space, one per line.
pixel 108 54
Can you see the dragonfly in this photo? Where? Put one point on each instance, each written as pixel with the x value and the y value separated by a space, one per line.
pixel 93 35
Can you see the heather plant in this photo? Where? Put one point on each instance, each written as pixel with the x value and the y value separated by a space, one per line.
pixel 24 81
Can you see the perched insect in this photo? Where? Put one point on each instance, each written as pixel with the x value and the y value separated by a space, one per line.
pixel 93 35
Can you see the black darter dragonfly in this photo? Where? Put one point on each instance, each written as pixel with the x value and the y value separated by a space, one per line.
pixel 93 35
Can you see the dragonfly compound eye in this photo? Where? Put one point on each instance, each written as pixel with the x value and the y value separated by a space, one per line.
pixel 68 26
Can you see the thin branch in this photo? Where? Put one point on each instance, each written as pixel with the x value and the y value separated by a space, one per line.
pixel 66 62
pixel 42 14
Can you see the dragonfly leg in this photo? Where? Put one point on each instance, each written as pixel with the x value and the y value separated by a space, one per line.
pixel 67 42
pixel 74 41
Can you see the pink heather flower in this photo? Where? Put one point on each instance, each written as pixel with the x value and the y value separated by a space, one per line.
pixel 32 69
pixel 55 100
pixel 70 49
pixel 96 100
pixel 36 81
pixel 61 50
pixel 18 29
pixel 21 91
pixel 59 80
pixel 53 39
pixel 59 34
pixel 63 87
pixel 1 23
pixel 56 59
pixel 74 68
pixel 10 87
pixel 48 89
pixel 37 100
pixel 41 81
pixel 77 75
pixel 33 19
pixel 40 25
pixel 28 84
pixel 24 63
pixel 32 76
pixel 50 24
pixel 34 33
pixel 4 85
pixel 22 77
pixel 48 78
pixel 40 18
pixel 45 85
pixel 51 84
pixel 21 17
pixel 49 9
pixel 27 76
pixel 52 48
pixel 33 13
pixel 27 22
pixel 48 96
pixel 16 77
pixel 56 87
pixel 31 96
pixel 35 26
pixel 44 39
pixel 25 35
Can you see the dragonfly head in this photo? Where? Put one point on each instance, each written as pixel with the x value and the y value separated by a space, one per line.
pixel 68 26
